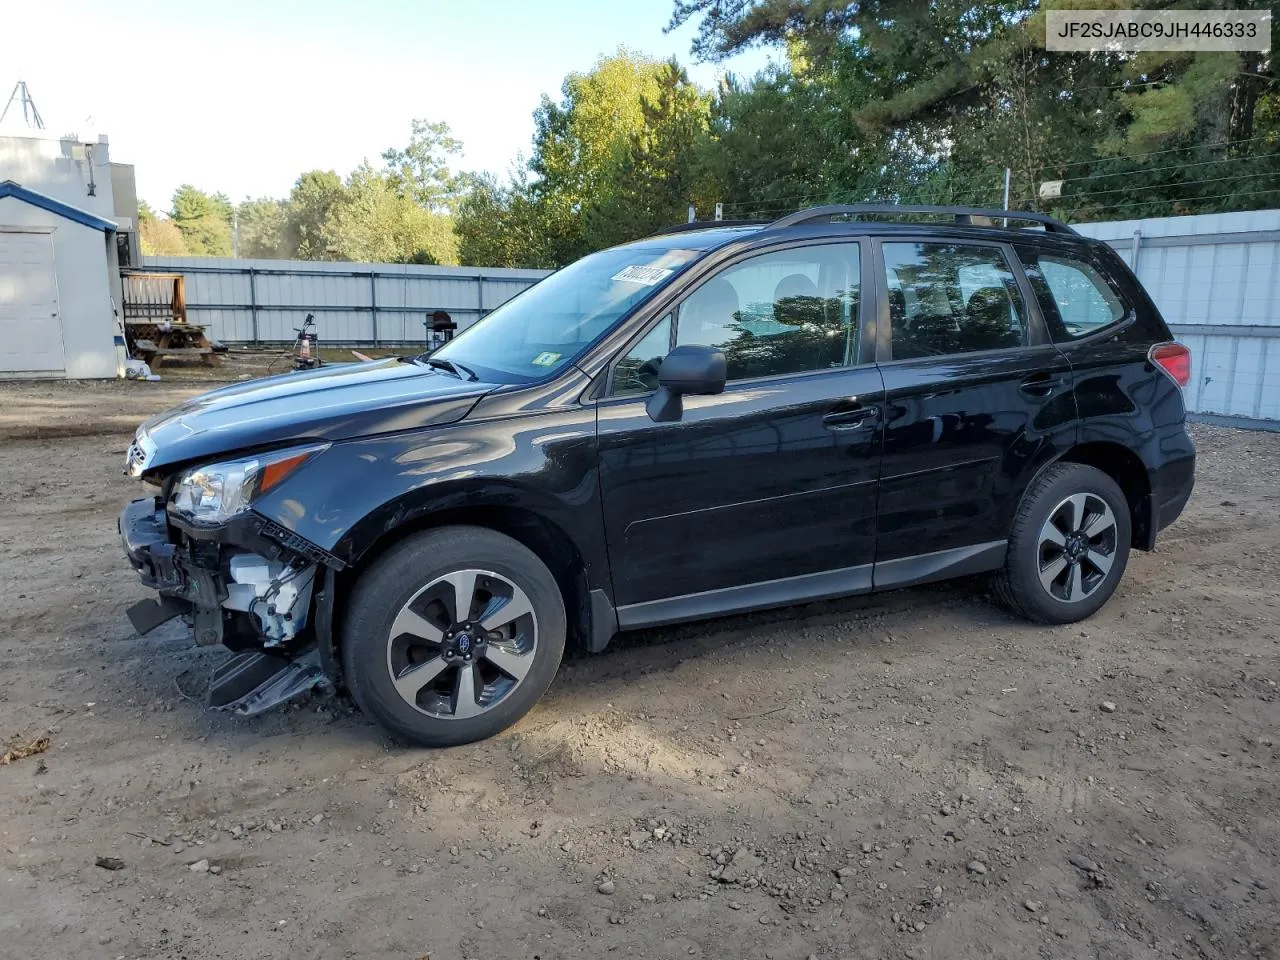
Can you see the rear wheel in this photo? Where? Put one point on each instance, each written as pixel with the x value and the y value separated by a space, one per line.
pixel 1068 547
pixel 453 635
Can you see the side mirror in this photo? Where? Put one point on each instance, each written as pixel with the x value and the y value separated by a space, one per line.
pixel 693 369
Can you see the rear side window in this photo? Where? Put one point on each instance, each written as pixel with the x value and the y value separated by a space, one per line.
pixel 947 298
pixel 1073 289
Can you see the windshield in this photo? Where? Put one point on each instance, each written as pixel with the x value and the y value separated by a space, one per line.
pixel 547 326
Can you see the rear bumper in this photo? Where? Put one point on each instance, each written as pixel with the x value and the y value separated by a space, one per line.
pixel 1173 482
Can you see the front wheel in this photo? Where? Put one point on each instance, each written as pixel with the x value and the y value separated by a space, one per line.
pixel 453 635
pixel 1068 547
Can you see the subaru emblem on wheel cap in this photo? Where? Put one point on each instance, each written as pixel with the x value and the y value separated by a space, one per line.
pixel 464 643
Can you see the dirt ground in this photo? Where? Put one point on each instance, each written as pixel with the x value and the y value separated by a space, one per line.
pixel 913 775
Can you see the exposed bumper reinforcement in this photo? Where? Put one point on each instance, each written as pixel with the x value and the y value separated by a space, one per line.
pixel 251 682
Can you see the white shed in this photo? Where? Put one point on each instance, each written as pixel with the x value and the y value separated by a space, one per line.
pixel 57 317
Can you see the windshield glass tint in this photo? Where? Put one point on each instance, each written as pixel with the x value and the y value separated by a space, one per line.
pixel 547 326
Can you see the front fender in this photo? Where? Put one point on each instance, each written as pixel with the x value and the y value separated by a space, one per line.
pixel 357 491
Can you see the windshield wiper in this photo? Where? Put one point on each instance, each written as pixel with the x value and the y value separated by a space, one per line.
pixel 457 369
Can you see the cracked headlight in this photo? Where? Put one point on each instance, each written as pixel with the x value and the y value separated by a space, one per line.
pixel 216 492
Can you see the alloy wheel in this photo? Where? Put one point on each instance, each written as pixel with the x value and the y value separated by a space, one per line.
pixel 462 644
pixel 1077 547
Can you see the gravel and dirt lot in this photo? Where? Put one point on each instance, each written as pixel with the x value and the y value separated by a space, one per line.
pixel 912 775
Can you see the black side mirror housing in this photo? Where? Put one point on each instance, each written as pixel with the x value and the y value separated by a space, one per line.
pixel 691 368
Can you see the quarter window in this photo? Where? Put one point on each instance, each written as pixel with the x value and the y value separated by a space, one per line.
pixel 947 298
pixel 637 372
pixel 1084 301
pixel 785 312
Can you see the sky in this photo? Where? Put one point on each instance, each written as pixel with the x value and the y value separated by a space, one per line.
pixel 241 96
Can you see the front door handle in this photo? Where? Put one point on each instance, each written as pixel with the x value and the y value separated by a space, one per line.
pixel 849 416
pixel 1040 385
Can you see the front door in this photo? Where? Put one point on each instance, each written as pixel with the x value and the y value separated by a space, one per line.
pixel 976 398
pixel 766 492
pixel 30 327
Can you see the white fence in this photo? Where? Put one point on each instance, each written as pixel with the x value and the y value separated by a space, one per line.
pixel 1216 279
pixel 256 301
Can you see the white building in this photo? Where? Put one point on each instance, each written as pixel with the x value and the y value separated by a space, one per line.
pixel 61 240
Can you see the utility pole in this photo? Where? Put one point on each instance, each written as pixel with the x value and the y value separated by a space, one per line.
pixel 29 112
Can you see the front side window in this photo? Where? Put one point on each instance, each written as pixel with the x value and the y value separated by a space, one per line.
pixel 948 298
pixel 1080 295
pixel 544 328
pixel 790 311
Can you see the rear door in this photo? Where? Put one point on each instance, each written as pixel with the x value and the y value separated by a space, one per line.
pixel 30 327
pixel 976 398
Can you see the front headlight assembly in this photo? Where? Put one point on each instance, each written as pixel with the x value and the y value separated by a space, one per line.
pixel 216 492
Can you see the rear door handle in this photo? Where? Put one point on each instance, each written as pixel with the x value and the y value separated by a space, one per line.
pixel 848 416
pixel 1040 385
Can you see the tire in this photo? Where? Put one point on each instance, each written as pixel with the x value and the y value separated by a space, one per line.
pixel 400 618
pixel 1039 579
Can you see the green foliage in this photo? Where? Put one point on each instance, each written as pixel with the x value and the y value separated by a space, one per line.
pixel 373 221
pixel 422 168
pixel 958 92
pixel 310 202
pixel 204 220
pixel 161 237
pixel 261 229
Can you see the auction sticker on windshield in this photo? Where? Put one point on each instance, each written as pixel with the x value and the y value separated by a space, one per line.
pixel 647 276
pixel 545 359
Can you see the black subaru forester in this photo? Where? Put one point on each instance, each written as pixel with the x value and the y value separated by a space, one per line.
pixel 716 419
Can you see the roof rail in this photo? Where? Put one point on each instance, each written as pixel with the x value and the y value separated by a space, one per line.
pixel 707 225
pixel 963 215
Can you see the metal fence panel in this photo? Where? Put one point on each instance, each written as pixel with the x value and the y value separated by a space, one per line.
pixel 245 301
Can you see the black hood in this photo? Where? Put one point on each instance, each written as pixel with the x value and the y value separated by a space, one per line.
pixel 332 403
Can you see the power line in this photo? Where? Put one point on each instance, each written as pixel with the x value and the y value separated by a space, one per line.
pixel 1172 166
pixel 1152 153
pixel 1174 186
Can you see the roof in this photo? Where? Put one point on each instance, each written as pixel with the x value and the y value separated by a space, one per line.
pixel 9 188
pixel 695 239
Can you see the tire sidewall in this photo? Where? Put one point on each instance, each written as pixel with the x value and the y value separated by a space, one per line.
pixel 1023 562
pixel 395 578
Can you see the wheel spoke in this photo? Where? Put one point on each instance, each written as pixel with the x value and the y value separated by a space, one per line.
pixel 1075 583
pixel 417 626
pixel 1101 560
pixel 464 591
pixel 410 681
pixel 508 610
pixel 514 665
pixel 465 701
pixel 1051 572
pixel 1051 534
pixel 1076 509
pixel 1100 524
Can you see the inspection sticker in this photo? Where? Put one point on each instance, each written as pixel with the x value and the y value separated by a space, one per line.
pixel 545 359
pixel 647 276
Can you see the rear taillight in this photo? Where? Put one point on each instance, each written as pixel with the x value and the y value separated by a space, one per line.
pixel 1174 359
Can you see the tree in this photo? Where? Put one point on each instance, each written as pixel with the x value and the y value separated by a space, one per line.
pixel 582 145
pixel 422 168
pixel 373 221
pixel 499 225
pixel 160 238
pixel 262 229
pixel 204 221
pixel 310 201
pixel 654 182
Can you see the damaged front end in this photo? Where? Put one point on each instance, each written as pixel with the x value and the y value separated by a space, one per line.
pixel 239 579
